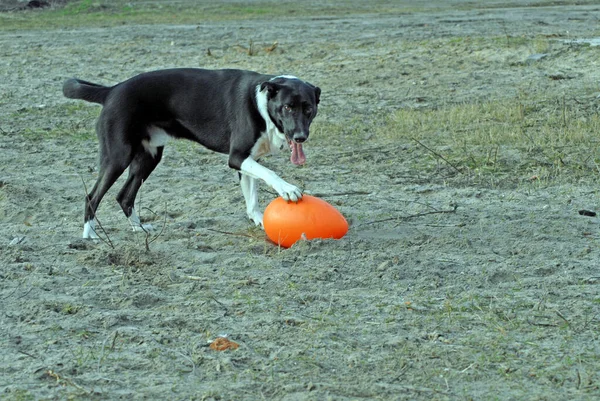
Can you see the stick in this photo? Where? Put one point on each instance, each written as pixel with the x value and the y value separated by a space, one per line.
pixel 325 195
pixel 411 216
pixel 230 233
pixel 438 155
pixel 162 229
pixel 68 381
pixel 563 318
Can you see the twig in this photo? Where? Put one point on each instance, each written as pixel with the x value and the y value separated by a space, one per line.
pixel 162 228
pixel 467 368
pixel 406 387
pixel 11 293
pixel 272 47
pixel 564 111
pixel 438 155
pixel 195 278
pixel 411 216
pixel 377 149
pixel 541 324
pixel 28 354
pixel 588 322
pixel 326 195
pixel 190 360
pixel 146 232
pixel 217 301
pixel 68 381
pixel 563 318
pixel 230 233
pixel 114 340
pixel 24 295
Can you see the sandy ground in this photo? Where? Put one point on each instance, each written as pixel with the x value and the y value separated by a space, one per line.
pixel 446 287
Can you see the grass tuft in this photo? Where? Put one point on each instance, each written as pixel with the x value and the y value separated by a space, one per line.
pixel 550 135
pixel 92 13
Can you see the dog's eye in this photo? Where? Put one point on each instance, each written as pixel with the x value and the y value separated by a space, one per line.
pixel 308 111
pixel 287 107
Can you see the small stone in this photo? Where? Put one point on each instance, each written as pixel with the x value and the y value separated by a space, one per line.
pixel 537 56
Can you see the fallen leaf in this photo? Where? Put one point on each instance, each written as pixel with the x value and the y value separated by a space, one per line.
pixel 223 344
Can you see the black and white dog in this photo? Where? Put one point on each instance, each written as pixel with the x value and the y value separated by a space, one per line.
pixel 241 113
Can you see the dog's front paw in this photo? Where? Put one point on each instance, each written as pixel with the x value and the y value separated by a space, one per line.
pixel 142 227
pixel 288 192
pixel 256 217
pixel 139 227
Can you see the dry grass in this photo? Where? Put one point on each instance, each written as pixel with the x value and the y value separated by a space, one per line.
pixel 488 294
pixel 93 13
pixel 551 135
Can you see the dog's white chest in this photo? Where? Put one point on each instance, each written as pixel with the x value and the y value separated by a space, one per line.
pixel 271 140
pixel 268 143
pixel 158 138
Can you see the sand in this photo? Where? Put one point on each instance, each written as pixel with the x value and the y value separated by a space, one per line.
pixel 447 285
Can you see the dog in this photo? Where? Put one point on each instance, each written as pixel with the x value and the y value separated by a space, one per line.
pixel 241 113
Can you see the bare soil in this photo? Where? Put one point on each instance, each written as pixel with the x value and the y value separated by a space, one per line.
pixel 447 286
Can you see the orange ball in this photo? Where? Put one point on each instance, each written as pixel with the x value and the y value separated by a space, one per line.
pixel 286 222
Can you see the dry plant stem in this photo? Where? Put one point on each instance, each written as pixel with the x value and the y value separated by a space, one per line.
pixel 410 216
pixel 230 233
pixel 563 318
pixel 327 195
pixel 67 381
pixel 438 155
pixel 149 240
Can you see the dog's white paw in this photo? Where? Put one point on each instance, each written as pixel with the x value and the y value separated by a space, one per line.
pixel 142 227
pixel 287 191
pixel 89 230
pixel 256 217
pixel 136 224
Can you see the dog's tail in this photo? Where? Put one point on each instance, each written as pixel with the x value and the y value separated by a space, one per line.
pixel 77 89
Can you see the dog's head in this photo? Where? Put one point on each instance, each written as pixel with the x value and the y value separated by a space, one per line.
pixel 292 106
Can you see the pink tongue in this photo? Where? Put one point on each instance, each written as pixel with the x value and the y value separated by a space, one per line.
pixel 298 156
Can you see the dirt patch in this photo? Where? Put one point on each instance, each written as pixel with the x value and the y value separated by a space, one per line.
pixel 449 285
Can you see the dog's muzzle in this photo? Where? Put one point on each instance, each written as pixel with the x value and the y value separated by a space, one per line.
pixel 300 138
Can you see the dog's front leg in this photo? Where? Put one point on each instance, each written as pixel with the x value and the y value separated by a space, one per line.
pixel 289 192
pixel 250 190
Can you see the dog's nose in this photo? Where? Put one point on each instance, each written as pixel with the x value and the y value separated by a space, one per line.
pixel 299 138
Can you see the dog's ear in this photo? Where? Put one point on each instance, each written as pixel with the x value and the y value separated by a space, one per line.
pixel 317 92
pixel 272 88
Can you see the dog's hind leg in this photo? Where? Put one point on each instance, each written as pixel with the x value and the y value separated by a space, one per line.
pixel 140 169
pixel 250 190
pixel 109 173
pixel 115 155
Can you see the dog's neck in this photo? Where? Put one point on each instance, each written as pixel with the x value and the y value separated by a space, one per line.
pixel 272 138
pixel 261 103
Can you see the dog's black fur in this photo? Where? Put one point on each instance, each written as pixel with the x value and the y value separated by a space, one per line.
pixel 217 108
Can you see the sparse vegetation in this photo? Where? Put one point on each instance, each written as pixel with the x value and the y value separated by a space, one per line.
pixel 460 163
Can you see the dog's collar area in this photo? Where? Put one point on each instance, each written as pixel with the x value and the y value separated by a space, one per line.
pixel 284 77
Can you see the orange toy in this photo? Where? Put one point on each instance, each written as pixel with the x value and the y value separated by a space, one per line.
pixel 286 222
